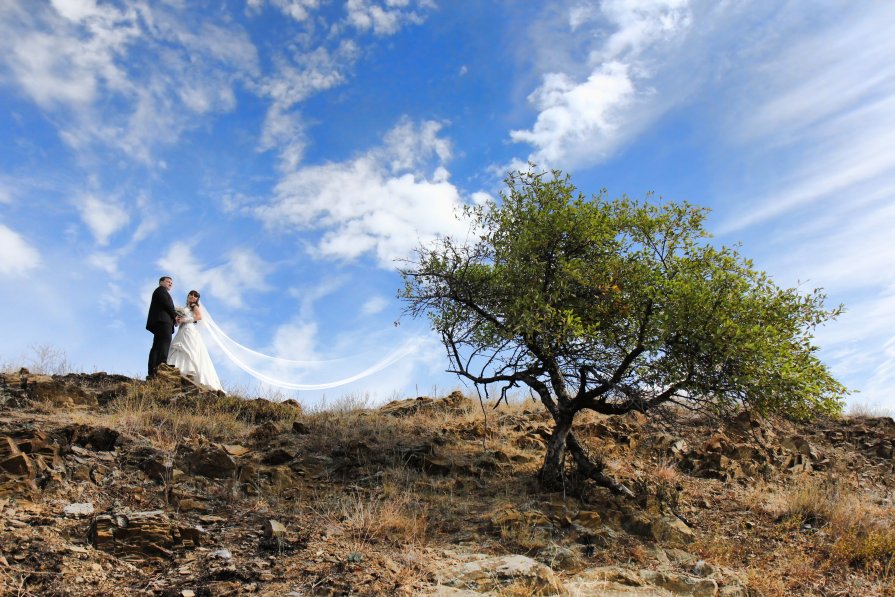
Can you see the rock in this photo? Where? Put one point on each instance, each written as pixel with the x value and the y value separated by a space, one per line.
pixel 558 557
pixel 78 510
pixel 455 402
pixel 277 456
pixel 235 450
pixel 589 519
pixel 274 530
pixel 44 388
pixel 19 465
pixel 492 573
pixel 609 581
pixel 102 439
pixel 681 584
pixel 208 460
pixel 671 530
pixel 510 516
pixel 158 466
pixel 149 534
pixel 186 501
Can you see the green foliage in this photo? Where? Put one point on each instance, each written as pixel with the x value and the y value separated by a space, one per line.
pixel 617 305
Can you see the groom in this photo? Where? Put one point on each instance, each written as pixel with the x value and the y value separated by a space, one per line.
pixel 161 321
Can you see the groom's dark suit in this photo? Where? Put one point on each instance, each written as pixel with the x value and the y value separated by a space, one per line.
pixel 160 322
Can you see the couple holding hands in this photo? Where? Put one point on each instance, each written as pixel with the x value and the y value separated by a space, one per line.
pixel 187 351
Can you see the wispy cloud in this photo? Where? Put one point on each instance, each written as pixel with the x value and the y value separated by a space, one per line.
pixel 296 79
pixel 815 118
pixel 131 78
pixel 385 201
pixel 583 119
pixel 813 101
pixel 242 272
pixel 17 257
pixel 374 304
pixel 300 10
pixel 388 17
pixel 104 217
pixel 5 193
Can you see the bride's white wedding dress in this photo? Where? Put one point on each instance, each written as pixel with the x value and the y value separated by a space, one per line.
pixel 189 355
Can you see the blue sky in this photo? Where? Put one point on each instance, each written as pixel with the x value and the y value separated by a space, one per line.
pixel 281 155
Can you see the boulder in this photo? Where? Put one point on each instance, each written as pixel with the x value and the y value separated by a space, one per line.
pixel 494 573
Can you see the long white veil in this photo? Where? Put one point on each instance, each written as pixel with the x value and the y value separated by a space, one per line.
pixel 295 374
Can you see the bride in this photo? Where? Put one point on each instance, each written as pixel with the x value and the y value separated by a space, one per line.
pixel 188 352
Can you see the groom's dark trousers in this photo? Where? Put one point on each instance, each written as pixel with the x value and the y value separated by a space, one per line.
pixel 160 322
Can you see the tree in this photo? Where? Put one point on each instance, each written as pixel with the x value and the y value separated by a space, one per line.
pixel 615 306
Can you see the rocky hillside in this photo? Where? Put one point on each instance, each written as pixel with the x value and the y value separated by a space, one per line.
pixel 114 486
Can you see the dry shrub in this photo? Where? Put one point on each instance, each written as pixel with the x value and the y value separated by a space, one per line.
pixel 784 575
pixel 43 359
pixel 49 360
pixel 399 520
pixel 863 533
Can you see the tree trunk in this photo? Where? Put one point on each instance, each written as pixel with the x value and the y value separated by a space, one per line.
pixel 590 470
pixel 551 475
pixel 563 440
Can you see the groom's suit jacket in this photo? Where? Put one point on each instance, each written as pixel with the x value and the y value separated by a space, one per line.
pixel 161 310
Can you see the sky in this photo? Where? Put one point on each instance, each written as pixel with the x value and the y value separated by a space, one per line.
pixel 284 157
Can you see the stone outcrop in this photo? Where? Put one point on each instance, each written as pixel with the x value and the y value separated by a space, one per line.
pixel 149 534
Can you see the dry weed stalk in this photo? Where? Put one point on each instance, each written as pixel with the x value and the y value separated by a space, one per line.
pixel 399 520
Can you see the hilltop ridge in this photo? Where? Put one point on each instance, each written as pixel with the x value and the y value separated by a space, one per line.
pixel 110 485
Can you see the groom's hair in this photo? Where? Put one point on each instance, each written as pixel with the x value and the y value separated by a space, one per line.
pixel 163 278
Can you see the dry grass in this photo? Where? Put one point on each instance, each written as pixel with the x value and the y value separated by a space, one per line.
pixel 868 410
pixel 862 532
pixel 397 520
pixel 148 409
pixel 383 499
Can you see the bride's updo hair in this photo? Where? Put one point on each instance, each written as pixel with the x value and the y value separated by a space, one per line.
pixel 194 293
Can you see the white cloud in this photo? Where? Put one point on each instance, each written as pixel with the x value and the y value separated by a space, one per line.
pixel 583 120
pixel 812 115
pixel 639 25
pixel 878 389
pixel 387 18
pixel 103 217
pixel 16 256
pixel 296 341
pixel 374 304
pixel 578 121
pixel 131 78
pixel 309 73
pixel 300 10
pixel 105 262
pixel 833 106
pixel 383 201
pixel 243 272
pixel 77 10
pixel 292 83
